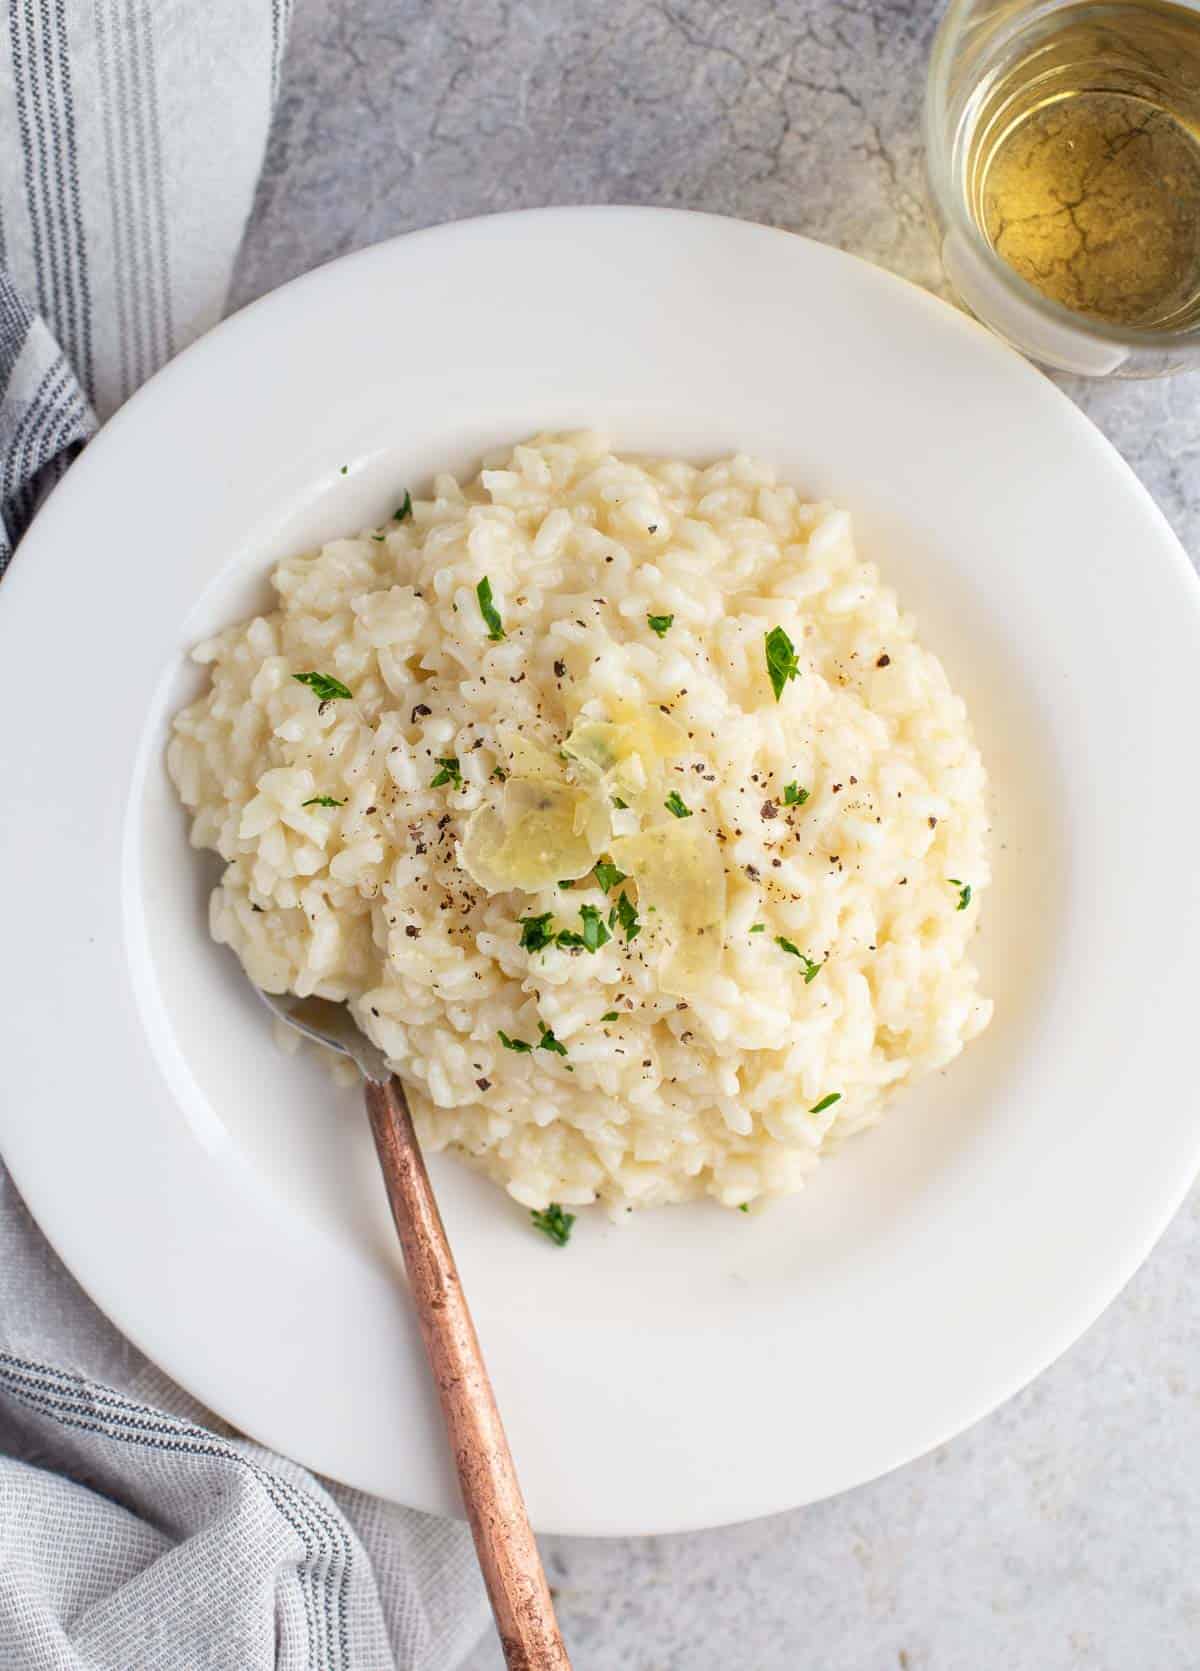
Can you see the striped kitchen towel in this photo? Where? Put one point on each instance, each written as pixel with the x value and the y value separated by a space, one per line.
pixel 131 137
pixel 137 1532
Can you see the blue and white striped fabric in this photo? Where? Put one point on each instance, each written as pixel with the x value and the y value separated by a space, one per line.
pixel 137 1533
pixel 44 416
pixel 131 137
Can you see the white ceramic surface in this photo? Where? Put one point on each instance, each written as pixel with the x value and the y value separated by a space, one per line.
pixel 692 1367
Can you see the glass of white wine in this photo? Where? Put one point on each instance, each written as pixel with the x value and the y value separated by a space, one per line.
pixel 1062 143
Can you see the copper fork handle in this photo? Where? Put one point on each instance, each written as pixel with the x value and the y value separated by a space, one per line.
pixel 504 1540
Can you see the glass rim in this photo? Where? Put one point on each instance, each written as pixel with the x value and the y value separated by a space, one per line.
pixel 950 208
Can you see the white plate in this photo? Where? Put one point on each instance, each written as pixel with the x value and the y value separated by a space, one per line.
pixel 219 1200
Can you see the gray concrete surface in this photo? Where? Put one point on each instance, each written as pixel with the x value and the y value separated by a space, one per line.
pixel 1063 1531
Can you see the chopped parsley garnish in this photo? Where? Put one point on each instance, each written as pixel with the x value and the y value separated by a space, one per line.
pixel 488 610
pixel 549 1042
pixel 661 624
pixel 595 934
pixel 811 969
pixel 620 805
pixel 518 1045
pixel 536 931
pixel 607 875
pixel 378 538
pixel 745 1207
pixel 323 685
pixel 449 772
pixel 781 659
pixel 566 884
pixel 757 928
pixel 826 1102
pixel 964 892
pixel 405 511
pixel 322 800
pixel 626 913
pixel 500 775
pixel 610 1015
pixel 676 804
pixel 554 1223
pixel 345 467
pixel 793 795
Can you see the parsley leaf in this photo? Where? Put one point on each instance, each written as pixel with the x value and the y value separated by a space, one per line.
pixel 518 1045
pixel 554 1223
pixel 595 934
pixel 811 969
pixel 757 928
pixel 793 795
pixel 323 685
pixel 549 1042
pixel 322 800
pixel 488 610
pixel 661 624
pixel 405 511
pixel 781 659
pixel 610 1015
pixel 628 918
pixel 964 892
pixel 674 803
pixel 607 875
pixel 826 1102
pixel 745 1207
pixel 449 772
pixel 620 805
pixel 536 932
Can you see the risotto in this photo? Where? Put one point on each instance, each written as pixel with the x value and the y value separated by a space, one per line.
pixel 621 803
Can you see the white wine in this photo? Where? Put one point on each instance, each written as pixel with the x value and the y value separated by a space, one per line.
pixel 1079 154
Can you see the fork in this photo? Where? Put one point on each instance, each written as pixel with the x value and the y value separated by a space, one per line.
pixel 504 1540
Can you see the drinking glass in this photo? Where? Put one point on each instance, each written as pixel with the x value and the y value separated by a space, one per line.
pixel 1144 57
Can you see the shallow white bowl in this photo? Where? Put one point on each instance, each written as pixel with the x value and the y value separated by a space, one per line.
pixel 219 1200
